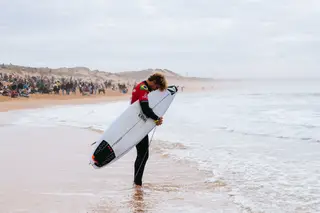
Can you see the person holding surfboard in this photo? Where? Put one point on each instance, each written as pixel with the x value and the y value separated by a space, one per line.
pixel 140 93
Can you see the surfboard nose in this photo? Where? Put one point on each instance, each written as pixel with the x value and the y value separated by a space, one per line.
pixel 172 89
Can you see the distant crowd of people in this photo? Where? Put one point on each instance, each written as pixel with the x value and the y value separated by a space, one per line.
pixel 16 86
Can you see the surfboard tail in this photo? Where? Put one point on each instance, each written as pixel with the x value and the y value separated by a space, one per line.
pixel 103 155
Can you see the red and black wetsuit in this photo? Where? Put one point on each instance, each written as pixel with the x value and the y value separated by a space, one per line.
pixel 140 93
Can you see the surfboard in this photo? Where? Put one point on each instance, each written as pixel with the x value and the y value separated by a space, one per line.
pixel 130 128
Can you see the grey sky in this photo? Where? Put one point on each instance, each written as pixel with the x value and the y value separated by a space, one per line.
pixel 210 38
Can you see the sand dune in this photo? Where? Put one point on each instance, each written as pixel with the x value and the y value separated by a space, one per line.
pixel 97 75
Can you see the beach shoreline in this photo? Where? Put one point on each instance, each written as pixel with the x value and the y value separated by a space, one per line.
pixel 48 100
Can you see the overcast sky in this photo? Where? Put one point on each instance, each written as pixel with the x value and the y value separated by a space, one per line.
pixel 209 38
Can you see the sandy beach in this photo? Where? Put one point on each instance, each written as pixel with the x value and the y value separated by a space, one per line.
pixel 240 120
pixel 50 170
pixel 195 165
pixel 47 170
pixel 44 100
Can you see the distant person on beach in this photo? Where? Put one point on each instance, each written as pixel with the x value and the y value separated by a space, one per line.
pixel 140 93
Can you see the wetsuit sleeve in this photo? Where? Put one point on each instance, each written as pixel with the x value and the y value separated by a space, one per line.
pixel 148 111
pixel 144 103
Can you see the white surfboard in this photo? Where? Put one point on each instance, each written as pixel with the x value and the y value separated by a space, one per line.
pixel 129 128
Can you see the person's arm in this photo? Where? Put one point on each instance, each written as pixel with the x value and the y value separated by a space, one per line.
pixel 144 103
pixel 148 111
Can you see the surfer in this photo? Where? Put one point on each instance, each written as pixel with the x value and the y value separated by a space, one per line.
pixel 140 93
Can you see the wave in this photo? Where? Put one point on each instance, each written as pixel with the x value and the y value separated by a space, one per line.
pixel 170 145
pixel 316 140
pixel 298 94
pixel 91 128
pixel 308 126
pixel 5 125
pixel 163 145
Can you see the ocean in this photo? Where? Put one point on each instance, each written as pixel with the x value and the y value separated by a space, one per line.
pixel 259 139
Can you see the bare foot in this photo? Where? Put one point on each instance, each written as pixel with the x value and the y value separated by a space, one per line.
pixel 137 186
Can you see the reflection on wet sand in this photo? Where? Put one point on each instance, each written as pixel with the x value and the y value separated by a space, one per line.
pixel 137 204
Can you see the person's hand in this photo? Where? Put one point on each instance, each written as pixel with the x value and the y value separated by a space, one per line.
pixel 159 122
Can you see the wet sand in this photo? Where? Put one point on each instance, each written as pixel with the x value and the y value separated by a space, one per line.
pixel 46 170
pixel 44 100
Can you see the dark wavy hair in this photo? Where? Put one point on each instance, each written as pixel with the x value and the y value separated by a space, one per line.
pixel 160 80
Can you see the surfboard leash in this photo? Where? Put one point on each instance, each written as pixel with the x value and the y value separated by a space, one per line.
pixel 145 154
